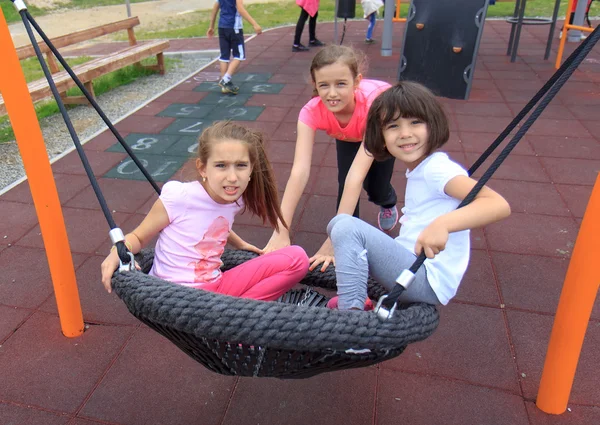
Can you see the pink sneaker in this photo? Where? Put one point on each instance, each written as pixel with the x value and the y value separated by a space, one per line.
pixel 387 218
pixel 333 304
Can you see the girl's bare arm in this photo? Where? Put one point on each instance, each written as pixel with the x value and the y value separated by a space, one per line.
pixel 156 220
pixel 295 185
pixel 487 207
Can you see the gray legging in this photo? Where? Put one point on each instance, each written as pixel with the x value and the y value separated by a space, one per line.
pixel 360 249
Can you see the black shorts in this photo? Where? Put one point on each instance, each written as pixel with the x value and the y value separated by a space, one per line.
pixel 231 40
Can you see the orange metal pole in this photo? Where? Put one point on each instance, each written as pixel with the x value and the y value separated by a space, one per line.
pixel 563 39
pixel 584 29
pixel 397 17
pixel 566 27
pixel 573 312
pixel 41 182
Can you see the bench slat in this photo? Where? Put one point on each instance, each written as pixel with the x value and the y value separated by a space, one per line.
pixel 79 36
pixel 39 89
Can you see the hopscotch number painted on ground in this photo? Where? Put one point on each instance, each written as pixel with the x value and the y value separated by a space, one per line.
pixel 124 168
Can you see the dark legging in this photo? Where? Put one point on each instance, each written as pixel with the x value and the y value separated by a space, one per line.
pixel 377 183
pixel 312 26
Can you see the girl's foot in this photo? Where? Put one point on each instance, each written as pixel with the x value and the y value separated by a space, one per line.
pixel 369 41
pixel 316 43
pixel 333 304
pixel 299 48
pixel 228 87
pixel 388 218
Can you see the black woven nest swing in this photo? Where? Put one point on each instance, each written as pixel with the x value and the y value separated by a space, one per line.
pixel 296 337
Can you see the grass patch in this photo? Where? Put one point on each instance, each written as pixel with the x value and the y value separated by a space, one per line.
pixel 102 85
pixel 270 15
pixel 87 4
pixel 534 9
pixel 33 71
pixel 11 15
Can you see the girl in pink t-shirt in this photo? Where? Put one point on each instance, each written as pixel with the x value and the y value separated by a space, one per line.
pixel 193 221
pixel 340 109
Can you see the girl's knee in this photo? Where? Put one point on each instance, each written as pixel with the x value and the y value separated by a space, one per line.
pixel 299 258
pixel 339 222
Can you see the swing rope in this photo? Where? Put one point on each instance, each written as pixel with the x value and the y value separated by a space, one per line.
pixel 517 119
pixel 116 234
pixel 26 17
pixel 559 78
pixel 343 32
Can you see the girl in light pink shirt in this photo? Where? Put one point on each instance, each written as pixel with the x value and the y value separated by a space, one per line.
pixel 340 108
pixel 193 222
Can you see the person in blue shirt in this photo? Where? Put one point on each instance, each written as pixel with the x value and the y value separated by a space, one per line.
pixel 231 39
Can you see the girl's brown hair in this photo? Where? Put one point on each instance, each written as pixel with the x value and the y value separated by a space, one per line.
pixel 260 197
pixel 333 53
pixel 406 99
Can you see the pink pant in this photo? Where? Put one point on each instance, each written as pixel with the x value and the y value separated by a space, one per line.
pixel 266 277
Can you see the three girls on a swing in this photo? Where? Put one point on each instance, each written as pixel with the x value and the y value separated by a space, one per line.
pixel 193 221
pixel 405 122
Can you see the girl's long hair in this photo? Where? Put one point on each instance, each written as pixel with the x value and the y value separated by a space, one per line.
pixel 260 197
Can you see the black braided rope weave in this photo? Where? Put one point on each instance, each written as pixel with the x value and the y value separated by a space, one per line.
pixel 236 336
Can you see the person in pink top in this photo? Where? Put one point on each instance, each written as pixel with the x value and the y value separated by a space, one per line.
pixel 340 109
pixel 308 8
pixel 193 221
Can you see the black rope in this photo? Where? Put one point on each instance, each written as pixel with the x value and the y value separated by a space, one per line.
pixel 86 165
pixel 574 60
pixel 541 92
pixel 92 101
pixel 343 31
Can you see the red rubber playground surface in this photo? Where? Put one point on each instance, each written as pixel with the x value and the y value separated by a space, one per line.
pixel 481 366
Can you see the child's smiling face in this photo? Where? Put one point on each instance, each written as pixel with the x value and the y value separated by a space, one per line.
pixel 335 85
pixel 407 139
pixel 227 171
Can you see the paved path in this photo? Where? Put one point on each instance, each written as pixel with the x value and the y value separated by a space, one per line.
pixel 151 14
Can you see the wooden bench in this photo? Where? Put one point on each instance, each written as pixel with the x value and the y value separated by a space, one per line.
pixel 95 68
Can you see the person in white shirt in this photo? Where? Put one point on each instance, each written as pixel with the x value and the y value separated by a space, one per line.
pixel 408 123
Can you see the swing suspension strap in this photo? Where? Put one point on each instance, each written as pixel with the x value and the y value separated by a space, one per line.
pixel 91 99
pixel 516 120
pixel 343 31
pixel 116 235
pixel 387 304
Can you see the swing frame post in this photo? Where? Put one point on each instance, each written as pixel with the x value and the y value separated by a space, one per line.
pixel 566 27
pixel 573 313
pixel 41 183
pixel 397 17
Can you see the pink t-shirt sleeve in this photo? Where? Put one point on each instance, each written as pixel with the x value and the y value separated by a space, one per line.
pixel 310 114
pixel 171 195
pixel 373 95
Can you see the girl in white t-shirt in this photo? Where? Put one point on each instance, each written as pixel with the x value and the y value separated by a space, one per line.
pixel 408 123
pixel 193 221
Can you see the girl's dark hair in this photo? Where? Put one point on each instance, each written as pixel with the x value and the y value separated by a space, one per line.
pixel 260 197
pixel 406 99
